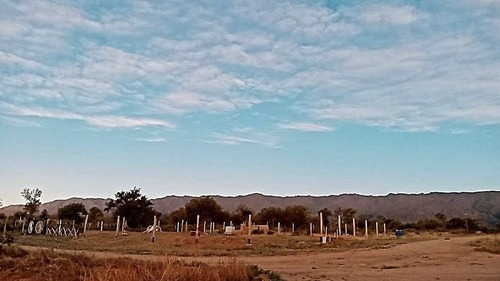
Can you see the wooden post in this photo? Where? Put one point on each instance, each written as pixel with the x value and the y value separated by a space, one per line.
pixel 224 227
pixel 326 231
pixel 376 228
pixel 197 225
pixel 249 228
pixel 340 226
pixel 182 225
pixel 249 224
pixel 310 229
pixel 293 227
pixel 5 227
pixel 186 228
pixel 345 228
pixel 85 226
pixel 102 225
pixel 320 223
pixel 384 229
pixel 353 227
pixel 117 226
pixel 366 228
pixel 153 238
pixel 204 227
pixel 279 226
pixel 59 230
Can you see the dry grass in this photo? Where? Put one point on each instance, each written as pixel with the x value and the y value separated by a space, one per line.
pixel 18 264
pixel 175 244
pixel 487 244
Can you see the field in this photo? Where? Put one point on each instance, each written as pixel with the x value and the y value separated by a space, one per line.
pixel 427 256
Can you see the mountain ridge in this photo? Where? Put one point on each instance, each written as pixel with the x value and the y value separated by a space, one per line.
pixel 483 205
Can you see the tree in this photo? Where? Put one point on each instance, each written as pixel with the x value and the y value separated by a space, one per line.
pixel 298 215
pixel 271 215
pixel 345 214
pixel 32 197
pixel 136 208
pixel 206 207
pixel 326 215
pixel 241 214
pixel 44 214
pixel 95 214
pixel 73 211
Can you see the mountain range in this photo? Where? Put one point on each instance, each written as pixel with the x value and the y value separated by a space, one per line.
pixel 484 205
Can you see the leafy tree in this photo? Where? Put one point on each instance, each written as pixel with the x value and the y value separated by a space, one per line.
pixel 136 208
pixel 206 207
pixel 241 214
pixel 20 214
pixel 298 215
pixel 176 216
pixel 32 197
pixel 44 214
pixel 326 215
pixel 95 214
pixel 73 211
pixel 271 215
pixel 455 223
pixel 345 214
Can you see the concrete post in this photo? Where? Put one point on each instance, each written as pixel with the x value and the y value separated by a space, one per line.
pixel 117 226
pixel 320 223
pixel 85 226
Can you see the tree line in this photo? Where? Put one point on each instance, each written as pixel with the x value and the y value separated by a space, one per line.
pixel 139 212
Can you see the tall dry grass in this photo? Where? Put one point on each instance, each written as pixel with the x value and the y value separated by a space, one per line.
pixel 18 264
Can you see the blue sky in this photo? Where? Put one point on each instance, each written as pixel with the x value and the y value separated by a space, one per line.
pixel 234 97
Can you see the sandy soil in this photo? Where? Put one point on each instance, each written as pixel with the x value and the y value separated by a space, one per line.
pixel 441 259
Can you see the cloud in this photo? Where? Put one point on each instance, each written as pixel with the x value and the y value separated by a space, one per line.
pixel 102 121
pixel 386 14
pixel 255 138
pixel 153 140
pixel 305 127
pixel 408 67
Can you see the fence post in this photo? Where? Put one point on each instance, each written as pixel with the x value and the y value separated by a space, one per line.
pixel 85 226
pixel 153 238
pixel 117 226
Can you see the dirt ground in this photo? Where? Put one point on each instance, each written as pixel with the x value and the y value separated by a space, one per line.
pixel 442 259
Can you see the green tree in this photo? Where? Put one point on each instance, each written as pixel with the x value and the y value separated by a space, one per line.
pixel 345 214
pixel 327 213
pixel 95 214
pixel 206 207
pixel 136 208
pixel 241 214
pixel 176 216
pixel 298 215
pixel 271 215
pixel 32 197
pixel 44 214
pixel 73 211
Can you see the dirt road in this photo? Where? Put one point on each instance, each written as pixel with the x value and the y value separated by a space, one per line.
pixel 441 259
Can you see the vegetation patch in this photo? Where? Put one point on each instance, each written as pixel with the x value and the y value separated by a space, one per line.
pixel 487 244
pixel 18 264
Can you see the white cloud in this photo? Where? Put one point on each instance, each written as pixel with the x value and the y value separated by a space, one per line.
pixel 153 140
pixel 255 138
pixel 386 14
pixel 305 127
pixel 102 121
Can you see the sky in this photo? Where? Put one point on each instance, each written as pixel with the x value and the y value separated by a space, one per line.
pixel 235 97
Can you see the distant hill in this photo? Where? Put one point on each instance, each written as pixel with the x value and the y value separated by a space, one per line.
pixel 405 207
